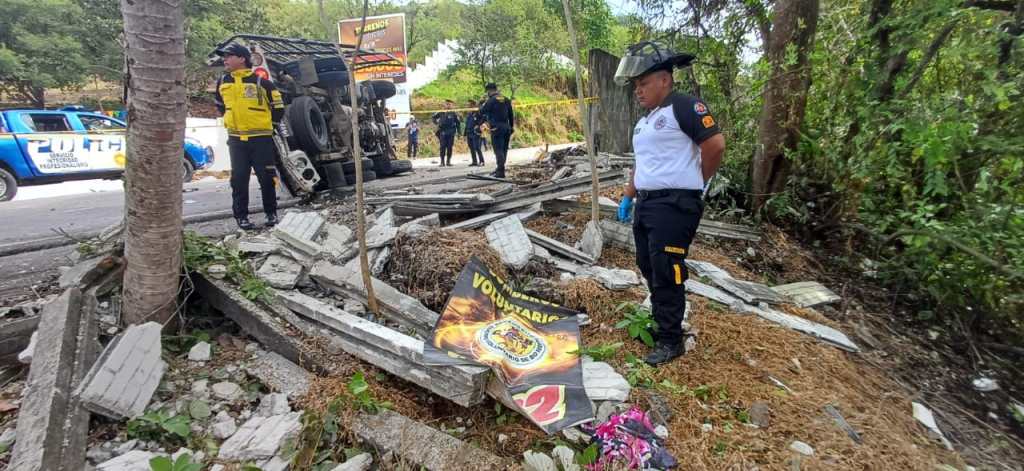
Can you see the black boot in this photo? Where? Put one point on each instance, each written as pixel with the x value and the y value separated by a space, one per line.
pixel 244 224
pixel 272 220
pixel 664 353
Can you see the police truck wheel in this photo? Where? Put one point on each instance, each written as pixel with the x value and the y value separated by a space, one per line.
pixel 308 125
pixel 8 186
pixel 188 171
pixel 368 176
pixel 400 166
pixel 350 166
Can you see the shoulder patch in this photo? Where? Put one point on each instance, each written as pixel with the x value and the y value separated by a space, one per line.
pixel 708 121
pixel 699 108
pixel 659 124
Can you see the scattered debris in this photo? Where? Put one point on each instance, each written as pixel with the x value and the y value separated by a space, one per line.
pixel 135 460
pixel 421 445
pixel 360 462
pixel 985 384
pixel 260 438
pixel 603 383
pixel 25 357
pixel 807 293
pixel 925 417
pixel 201 351
pixel 273 404
pixel 799 324
pixel 280 272
pixel 88 271
pixel 278 373
pixel 299 230
pixel 553 190
pixel 760 414
pixel 560 248
pixel 629 439
pixel 126 375
pixel 611 278
pixel 476 222
pixel 227 391
pixel 841 422
pixel 534 461
pixel 592 241
pixel 508 237
pixel 802 448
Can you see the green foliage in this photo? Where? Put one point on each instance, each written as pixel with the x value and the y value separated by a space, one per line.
pixel 588 456
pixel 161 427
pixel 599 352
pixel 183 463
pixel 359 389
pixel 638 372
pixel 200 252
pixel 638 321
pixel 503 415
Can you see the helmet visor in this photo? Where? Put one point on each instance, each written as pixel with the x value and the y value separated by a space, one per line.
pixel 631 67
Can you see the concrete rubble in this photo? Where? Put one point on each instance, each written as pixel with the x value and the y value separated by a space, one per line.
pixel 126 375
pixel 201 351
pixel 280 272
pixel 360 462
pixel 278 373
pixel 592 240
pixel 807 293
pixel 260 438
pixel 924 415
pixel 603 383
pixel 421 445
pixel 508 237
pixel 135 460
pixel 300 230
pixel 611 278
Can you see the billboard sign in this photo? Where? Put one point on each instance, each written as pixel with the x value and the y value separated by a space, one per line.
pixel 385 33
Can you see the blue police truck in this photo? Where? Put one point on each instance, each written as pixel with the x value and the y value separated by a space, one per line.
pixel 39 147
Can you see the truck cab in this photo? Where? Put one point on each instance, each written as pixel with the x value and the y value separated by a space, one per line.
pixel 39 147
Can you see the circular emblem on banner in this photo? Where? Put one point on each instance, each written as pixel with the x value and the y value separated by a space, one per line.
pixel 660 123
pixel 120 160
pixel 512 340
pixel 699 108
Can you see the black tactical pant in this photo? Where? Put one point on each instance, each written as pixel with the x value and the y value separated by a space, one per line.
pixel 253 155
pixel 474 149
pixel 414 147
pixel 447 141
pixel 500 137
pixel 664 224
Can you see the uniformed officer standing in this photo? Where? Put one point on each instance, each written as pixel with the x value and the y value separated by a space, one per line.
pixel 678 148
pixel 251 107
pixel 414 139
pixel 497 111
pixel 448 123
pixel 473 122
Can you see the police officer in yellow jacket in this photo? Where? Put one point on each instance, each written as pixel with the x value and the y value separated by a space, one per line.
pixel 251 106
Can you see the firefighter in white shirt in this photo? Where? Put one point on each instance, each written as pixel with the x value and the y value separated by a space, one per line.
pixel 678 148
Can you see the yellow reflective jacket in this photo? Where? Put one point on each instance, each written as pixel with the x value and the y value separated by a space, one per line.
pixel 250 105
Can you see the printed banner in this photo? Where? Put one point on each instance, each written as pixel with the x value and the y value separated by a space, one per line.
pixel 384 33
pixel 68 153
pixel 529 344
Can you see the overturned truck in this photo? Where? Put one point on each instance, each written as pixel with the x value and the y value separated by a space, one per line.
pixel 314 139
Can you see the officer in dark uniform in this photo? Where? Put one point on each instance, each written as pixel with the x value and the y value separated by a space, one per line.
pixel 678 148
pixel 448 123
pixel 497 111
pixel 473 122
pixel 251 107
pixel 414 138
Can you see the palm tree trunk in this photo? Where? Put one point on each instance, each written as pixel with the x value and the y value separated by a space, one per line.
pixel 155 50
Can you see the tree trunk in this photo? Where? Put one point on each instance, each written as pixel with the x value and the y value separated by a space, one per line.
pixel 785 96
pixel 155 51
pixel 617 111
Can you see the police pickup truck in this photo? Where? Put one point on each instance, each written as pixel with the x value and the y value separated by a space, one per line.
pixel 39 147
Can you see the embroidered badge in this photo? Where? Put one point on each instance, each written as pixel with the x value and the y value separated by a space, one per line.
pixel 700 109
pixel 708 121
pixel 660 123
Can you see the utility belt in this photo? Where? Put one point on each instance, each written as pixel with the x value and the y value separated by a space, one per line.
pixel 650 194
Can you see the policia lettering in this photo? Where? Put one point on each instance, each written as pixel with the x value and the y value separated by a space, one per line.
pixel 251 107
pixel 668 183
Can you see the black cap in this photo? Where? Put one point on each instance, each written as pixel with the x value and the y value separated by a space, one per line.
pixel 491 86
pixel 235 49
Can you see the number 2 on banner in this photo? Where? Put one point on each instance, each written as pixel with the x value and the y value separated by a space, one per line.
pixel 543 404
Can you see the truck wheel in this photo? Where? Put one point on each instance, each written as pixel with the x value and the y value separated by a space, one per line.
pixel 188 170
pixel 383 89
pixel 382 165
pixel 400 166
pixel 308 125
pixel 8 186
pixel 350 166
pixel 368 176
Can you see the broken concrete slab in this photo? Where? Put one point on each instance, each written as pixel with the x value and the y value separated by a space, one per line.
pixel 300 230
pixel 360 462
pixel 618 234
pixel 508 237
pixel 280 272
pixel 560 248
pixel 553 190
pixel 279 374
pixel 273 404
pixel 611 278
pixel 728 231
pixel 260 438
pixel 592 240
pixel 392 351
pixel 126 375
pixel 534 461
pixel 338 241
pixel 561 173
pixel 749 291
pixel 603 383
pixel 382 232
pixel 807 293
pixel 706 269
pixel 710 292
pixel 799 324
pixel 436 198
pixel 201 351
pixel 419 226
pixel 135 460
pixel 42 418
pixel 87 271
pixel 258 245
pixel 398 307
pixel 420 444
pixel 476 222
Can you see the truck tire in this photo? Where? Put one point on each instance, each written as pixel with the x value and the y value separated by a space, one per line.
pixel 8 185
pixel 368 176
pixel 383 89
pixel 308 125
pixel 382 165
pixel 350 166
pixel 188 171
pixel 400 166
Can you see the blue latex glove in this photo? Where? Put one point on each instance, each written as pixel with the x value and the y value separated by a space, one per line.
pixel 626 209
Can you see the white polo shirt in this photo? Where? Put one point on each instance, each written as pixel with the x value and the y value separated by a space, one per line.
pixel 667 141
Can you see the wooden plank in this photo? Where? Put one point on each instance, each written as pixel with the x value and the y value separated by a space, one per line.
pixel 398 307
pixel 560 248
